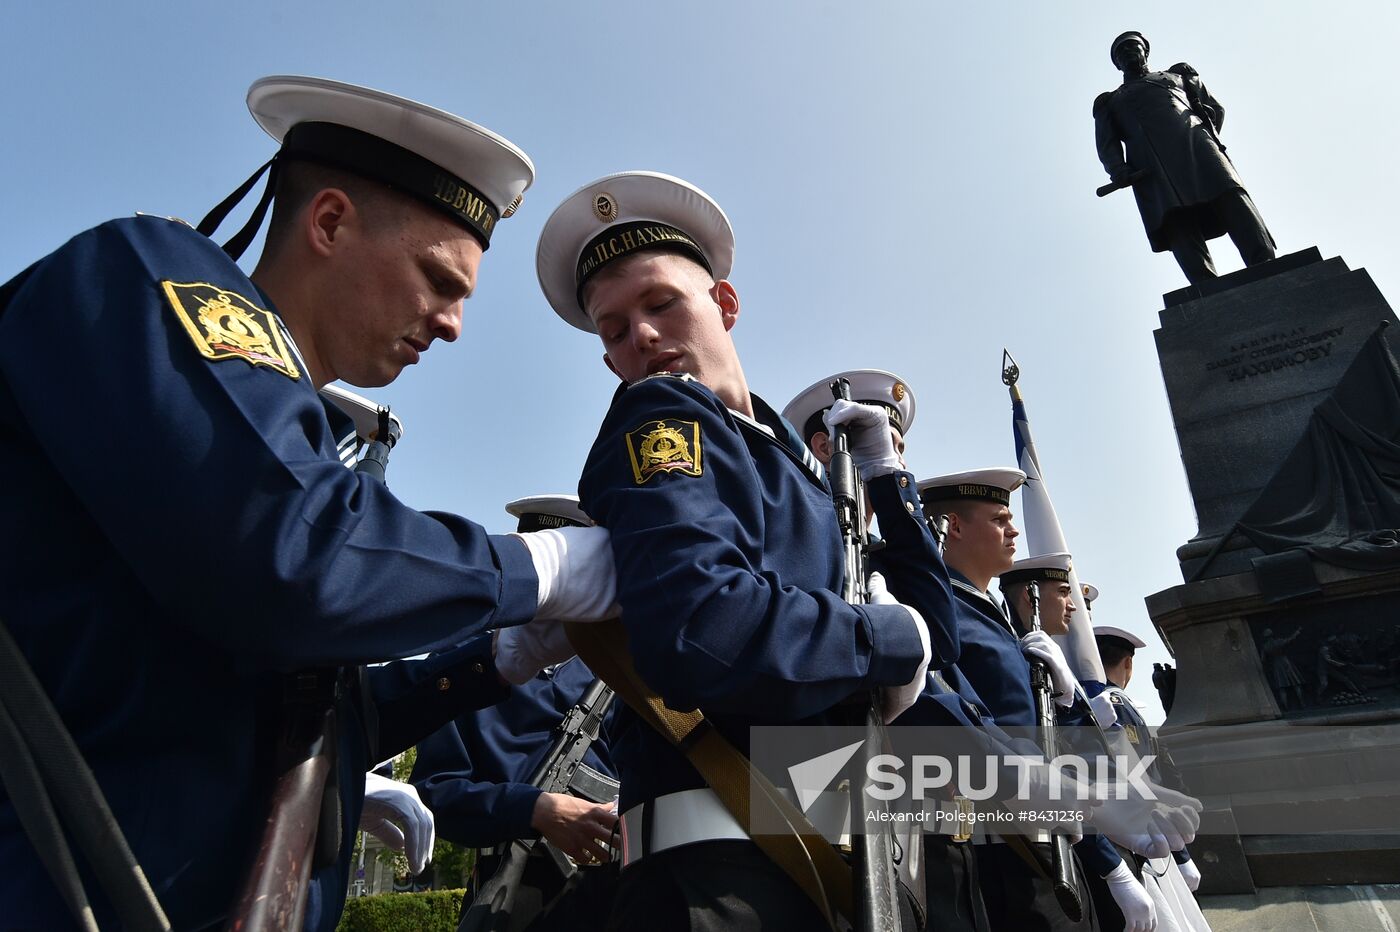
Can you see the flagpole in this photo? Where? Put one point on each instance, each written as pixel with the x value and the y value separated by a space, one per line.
pixel 1044 534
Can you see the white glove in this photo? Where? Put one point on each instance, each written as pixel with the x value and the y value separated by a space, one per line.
pixel 395 815
pixel 1191 874
pixel 1105 709
pixel 1039 645
pixel 1152 828
pixel 524 650
pixel 575 569
pixel 868 434
pixel 1139 915
pixel 895 699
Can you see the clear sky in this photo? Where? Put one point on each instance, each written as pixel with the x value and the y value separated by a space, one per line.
pixel 911 185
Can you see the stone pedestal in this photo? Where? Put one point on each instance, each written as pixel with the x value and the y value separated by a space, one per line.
pixel 1245 359
pixel 1301 783
pixel 1286 719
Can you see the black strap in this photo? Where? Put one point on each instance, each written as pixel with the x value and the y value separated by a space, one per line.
pixel 20 776
pixel 61 773
pixel 240 241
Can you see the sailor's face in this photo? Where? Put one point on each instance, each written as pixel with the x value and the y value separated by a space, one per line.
pixel 663 313
pixel 402 289
pixel 1056 607
pixel 989 536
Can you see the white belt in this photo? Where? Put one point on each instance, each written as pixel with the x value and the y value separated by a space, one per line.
pixel 990 838
pixel 677 819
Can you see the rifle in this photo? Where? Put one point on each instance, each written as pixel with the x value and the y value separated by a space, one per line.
pixel 303 828
pixel 1061 857
pixel 561 770
pixel 877 895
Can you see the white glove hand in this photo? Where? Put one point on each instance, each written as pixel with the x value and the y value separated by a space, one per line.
pixel 395 815
pixel 1191 874
pixel 868 435
pixel 895 699
pixel 1154 828
pixel 1139 915
pixel 1039 645
pixel 1105 710
pixel 524 650
pixel 575 569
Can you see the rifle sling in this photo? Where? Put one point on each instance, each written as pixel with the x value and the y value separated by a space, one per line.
pixel 801 852
pixel 48 776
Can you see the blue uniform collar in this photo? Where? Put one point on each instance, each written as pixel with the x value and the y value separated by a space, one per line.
pixel 982 600
pixel 772 425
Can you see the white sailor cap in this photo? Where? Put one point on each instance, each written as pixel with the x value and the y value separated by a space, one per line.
pixel 1091 592
pixel 989 485
pixel 548 511
pixel 1048 567
pixel 463 170
pixel 868 386
pixel 621 214
pixel 1122 634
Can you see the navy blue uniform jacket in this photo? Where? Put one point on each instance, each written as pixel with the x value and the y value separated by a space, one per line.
pixel 472 773
pixel 177 528
pixel 1132 726
pixel 1000 673
pixel 729 566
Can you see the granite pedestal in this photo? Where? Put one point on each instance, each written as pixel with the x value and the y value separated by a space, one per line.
pixel 1286 718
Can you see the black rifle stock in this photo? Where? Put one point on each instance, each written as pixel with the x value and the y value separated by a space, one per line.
pixel 490 910
pixel 1061 857
pixel 877 894
pixel 273 893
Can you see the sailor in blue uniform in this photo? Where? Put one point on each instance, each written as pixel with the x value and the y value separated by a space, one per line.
pixel 952 897
pixel 171 559
pixel 726 543
pixel 1127 905
pixel 1113 706
pixel 474 774
pixel 981 543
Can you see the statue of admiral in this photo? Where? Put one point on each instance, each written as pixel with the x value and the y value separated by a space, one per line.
pixel 1187 189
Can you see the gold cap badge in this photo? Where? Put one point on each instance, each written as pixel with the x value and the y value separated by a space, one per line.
pixel 605 208
pixel 898 391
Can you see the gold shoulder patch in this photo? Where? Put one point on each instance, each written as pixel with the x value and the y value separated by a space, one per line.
pixel 664 445
pixel 225 325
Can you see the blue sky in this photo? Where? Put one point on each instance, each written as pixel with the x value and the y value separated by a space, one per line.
pixel 911 185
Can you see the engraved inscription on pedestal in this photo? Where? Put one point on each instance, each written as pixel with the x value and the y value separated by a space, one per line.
pixel 1245 362
pixel 1274 352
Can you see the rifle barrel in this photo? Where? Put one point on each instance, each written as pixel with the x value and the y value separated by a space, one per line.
pixel 877 896
pixel 1061 857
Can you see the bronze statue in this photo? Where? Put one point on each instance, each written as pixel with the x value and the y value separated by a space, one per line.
pixel 1186 187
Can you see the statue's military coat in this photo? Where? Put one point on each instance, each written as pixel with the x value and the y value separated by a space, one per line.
pixel 1152 117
